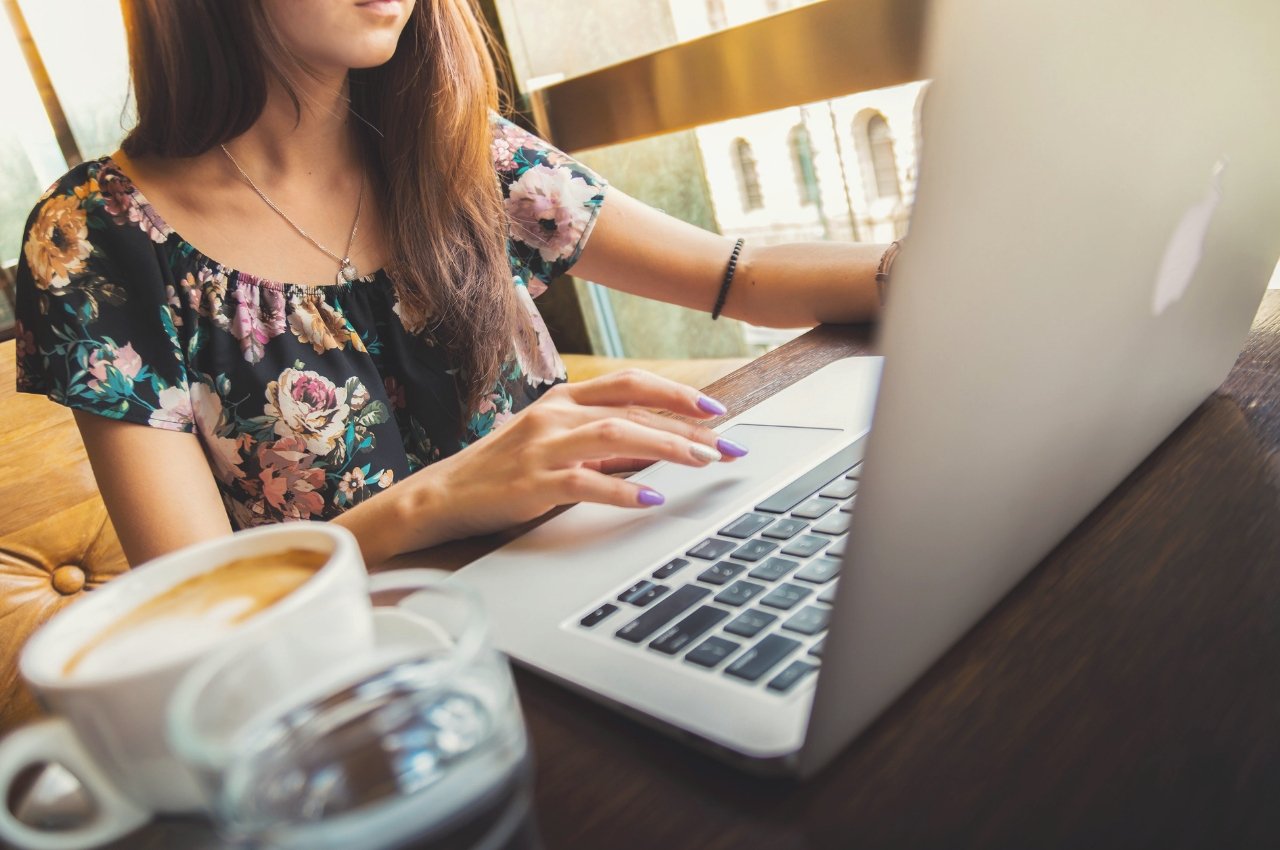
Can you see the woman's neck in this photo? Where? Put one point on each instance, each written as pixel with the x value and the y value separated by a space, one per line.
pixel 314 139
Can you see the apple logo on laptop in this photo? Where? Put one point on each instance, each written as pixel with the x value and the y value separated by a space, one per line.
pixel 1186 247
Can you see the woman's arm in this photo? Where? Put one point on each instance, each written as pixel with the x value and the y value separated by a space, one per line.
pixel 161 493
pixel 157 486
pixel 635 248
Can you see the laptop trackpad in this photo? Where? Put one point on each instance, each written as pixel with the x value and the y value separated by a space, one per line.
pixel 702 493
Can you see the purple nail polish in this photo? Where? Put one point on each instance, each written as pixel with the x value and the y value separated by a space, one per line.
pixel 651 498
pixel 710 405
pixel 730 448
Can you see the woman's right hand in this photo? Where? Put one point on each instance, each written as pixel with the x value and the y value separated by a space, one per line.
pixel 557 451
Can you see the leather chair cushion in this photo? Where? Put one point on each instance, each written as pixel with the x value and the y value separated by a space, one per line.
pixel 55 538
pixel 43 568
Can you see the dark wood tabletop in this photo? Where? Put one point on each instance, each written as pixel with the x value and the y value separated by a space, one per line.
pixel 1125 694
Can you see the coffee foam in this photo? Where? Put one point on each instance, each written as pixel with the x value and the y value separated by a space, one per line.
pixel 195 613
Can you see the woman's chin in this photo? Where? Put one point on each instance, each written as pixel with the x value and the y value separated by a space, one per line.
pixel 371 60
pixel 371 54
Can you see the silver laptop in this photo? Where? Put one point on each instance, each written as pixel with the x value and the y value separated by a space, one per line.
pixel 1097 217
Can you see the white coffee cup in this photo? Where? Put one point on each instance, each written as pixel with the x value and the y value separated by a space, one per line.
pixel 107 726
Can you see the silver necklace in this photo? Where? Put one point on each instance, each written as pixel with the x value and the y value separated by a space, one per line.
pixel 346 269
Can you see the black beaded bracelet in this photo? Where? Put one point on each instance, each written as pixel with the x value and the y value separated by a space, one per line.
pixel 728 279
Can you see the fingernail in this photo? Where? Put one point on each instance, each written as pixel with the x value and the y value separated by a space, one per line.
pixel 704 453
pixel 710 405
pixel 731 448
pixel 650 498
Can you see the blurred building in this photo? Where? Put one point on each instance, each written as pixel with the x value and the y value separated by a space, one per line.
pixel 842 170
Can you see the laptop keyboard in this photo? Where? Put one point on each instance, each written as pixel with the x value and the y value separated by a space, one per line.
pixel 752 601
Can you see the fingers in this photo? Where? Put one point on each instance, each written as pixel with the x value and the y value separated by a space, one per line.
pixel 587 485
pixel 636 387
pixel 554 414
pixel 613 437
pixel 691 431
pixel 620 465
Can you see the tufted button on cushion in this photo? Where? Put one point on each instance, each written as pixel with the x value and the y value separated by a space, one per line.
pixel 68 579
pixel 44 567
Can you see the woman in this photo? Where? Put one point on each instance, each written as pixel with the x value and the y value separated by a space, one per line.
pixel 301 273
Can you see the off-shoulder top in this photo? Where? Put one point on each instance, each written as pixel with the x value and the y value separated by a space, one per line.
pixel 306 399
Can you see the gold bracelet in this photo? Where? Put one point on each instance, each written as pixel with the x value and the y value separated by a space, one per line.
pixel 886 265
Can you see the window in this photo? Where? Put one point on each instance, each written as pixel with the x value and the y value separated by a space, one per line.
pixel 884 165
pixel 802 161
pixel 748 175
pixel 29 156
pixel 90 88
pixel 743 175
pixel 716 18
pixel 92 84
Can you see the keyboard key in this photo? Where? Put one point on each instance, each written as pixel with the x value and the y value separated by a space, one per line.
pixel 814 508
pixel 688 630
pixel 792 673
pixel 740 593
pixel 829 594
pixel 812 481
pixel 847 507
pixel 748 624
pixel 836 523
pixel 642 593
pixel 808 620
pixel 784 597
pixel 596 616
pixel 712 651
pixel 746 525
pixel 841 488
pixel 816 649
pixel 819 571
pixel 805 545
pixel 837 548
pixel 785 529
pixel 855 473
pixel 753 550
pixel 721 573
pixel 774 569
pixel 643 627
pixel 762 657
pixel 670 568
pixel 711 548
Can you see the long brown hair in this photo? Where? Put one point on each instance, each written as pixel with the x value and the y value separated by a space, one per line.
pixel 201 70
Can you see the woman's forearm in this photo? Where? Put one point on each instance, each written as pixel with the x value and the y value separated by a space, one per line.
pixel 806 283
pixel 401 519
pixel 637 249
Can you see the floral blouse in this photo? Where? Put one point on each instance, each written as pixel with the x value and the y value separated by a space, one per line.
pixel 306 399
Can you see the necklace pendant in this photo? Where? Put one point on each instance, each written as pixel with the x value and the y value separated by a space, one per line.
pixel 347 272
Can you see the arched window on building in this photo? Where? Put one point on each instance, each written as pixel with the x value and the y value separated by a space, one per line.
pixel 802 161
pixel 878 147
pixel 748 175
pixel 715 15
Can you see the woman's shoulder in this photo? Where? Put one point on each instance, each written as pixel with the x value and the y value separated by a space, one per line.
pixel 515 150
pixel 78 175
pixel 551 201
pixel 88 222
pixel 92 198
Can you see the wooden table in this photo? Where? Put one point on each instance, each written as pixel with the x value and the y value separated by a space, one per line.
pixel 1125 694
